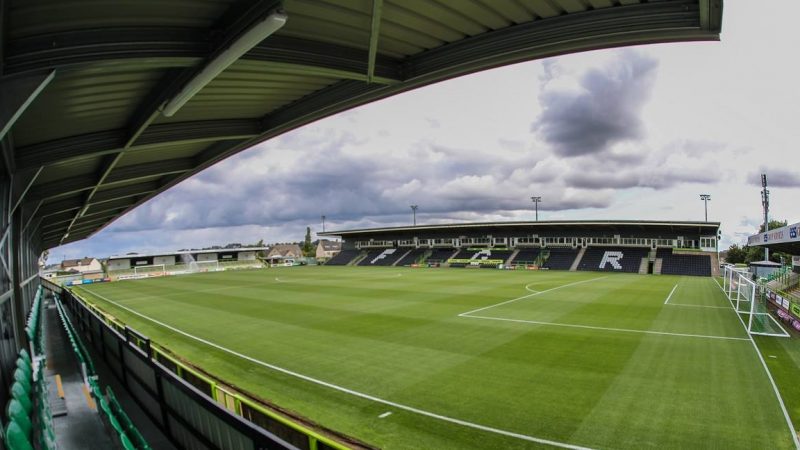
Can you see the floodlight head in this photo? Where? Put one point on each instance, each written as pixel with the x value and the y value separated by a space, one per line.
pixel 414 207
pixel 243 44
pixel 705 197
pixel 536 199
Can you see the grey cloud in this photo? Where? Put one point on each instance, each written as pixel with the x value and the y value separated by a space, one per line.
pixel 654 178
pixel 776 177
pixel 604 111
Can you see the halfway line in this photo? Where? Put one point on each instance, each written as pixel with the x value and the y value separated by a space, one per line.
pixel 345 390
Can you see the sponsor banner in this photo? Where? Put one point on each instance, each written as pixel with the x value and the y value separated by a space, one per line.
pixel 784 234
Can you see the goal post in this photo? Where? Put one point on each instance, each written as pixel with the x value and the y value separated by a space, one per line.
pixel 155 270
pixel 208 266
pixel 749 300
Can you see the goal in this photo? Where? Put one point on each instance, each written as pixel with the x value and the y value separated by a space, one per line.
pixel 206 266
pixel 750 302
pixel 156 270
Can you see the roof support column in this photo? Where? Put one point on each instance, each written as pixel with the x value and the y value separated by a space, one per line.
pixel 375 32
pixel 18 299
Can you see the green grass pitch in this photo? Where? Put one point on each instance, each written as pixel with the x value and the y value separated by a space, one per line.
pixel 476 358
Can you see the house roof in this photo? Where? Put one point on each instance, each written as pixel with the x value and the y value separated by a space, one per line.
pixel 90 134
pixel 76 262
pixel 285 249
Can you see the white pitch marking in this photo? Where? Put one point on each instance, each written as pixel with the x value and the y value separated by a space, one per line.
pixel 773 356
pixel 385 415
pixel 345 390
pixel 529 295
pixel 527 287
pixel 699 306
pixel 670 294
pixel 766 369
pixel 622 330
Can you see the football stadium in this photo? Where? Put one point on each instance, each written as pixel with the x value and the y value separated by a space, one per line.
pixel 577 334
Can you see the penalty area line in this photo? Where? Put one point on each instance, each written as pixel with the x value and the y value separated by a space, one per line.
pixel 670 294
pixel 619 330
pixel 354 393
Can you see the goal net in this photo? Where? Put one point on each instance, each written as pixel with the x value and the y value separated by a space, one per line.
pixel 750 302
pixel 156 270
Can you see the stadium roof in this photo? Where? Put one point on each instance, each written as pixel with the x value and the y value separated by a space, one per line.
pixel 190 252
pixel 105 103
pixel 785 239
pixel 573 225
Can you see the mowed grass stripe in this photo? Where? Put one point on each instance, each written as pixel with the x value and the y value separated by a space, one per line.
pixel 529 380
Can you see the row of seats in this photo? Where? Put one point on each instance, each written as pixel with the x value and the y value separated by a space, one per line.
pixel 613 259
pixel 695 265
pixel 412 257
pixel 479 256
pixel 343 258
pixel 527 256
pixel 123 431
pixel 440 254
pixel 382 257
pixel 561 258
pixel 28 412
pixel 29 419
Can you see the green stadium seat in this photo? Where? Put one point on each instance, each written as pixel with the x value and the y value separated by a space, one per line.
pixel 17 413
pixel 24 354
pixel 20 393
pixel 25 366
pixel 126 443
pixel 23 378
pixel 16 438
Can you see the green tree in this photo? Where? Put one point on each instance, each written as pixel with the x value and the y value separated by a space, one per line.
pixel 307 247
pixel 736 255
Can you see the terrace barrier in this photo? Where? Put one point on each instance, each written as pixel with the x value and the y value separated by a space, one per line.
pixel 191 407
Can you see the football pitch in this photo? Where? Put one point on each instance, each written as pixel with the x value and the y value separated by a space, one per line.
pixel 460 358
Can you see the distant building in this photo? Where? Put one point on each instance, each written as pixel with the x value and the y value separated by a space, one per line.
pixel 285 251
pixel 84 265
pixel 327 249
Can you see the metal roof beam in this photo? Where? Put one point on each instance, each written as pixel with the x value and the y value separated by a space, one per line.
pixel 59 206
pixel 61 188
pixel 133 190
pixel 183 48
pixel 98 208
pixel 113 141
pixel 149 170
pixel 375 33
pixel 17 94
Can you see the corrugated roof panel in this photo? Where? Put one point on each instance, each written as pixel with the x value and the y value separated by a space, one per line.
pixel 442 12
pixel 434 27
pixel 107 103
pixel 572 6
pixel 87 14
pixel 87 167
pixel 345 23
pixel 542 10
pixel 250 89
pixel 152 154
pixel 512 10
pixel 485 15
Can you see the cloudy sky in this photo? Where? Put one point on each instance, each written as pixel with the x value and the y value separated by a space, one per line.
pixel 635 133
